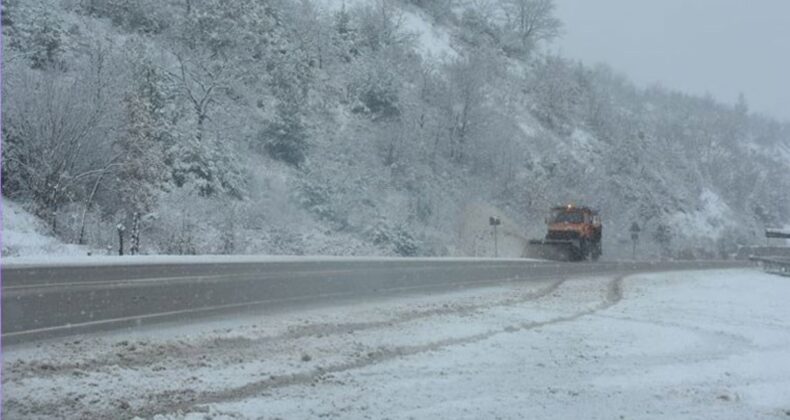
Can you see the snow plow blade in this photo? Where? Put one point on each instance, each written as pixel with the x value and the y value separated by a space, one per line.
pixel 553 250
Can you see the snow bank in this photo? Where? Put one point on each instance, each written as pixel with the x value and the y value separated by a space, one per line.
pixel 23 234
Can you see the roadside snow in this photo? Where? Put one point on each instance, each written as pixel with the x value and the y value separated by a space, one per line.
pixel 696 344
pixel 25 235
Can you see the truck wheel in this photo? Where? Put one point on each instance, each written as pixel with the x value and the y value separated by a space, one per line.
pixel 596 252
pixel 584 250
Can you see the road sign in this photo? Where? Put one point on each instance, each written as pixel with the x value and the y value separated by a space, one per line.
pixel 495 221
pixel 634 238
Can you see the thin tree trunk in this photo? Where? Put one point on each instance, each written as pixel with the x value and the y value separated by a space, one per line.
pixel 88 205
pixel 135 248
pixel 120 238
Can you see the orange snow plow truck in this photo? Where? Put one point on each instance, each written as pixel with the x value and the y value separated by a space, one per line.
pixel 574 234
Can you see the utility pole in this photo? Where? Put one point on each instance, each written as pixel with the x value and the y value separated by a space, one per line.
pixel 494 221
pixel 121 228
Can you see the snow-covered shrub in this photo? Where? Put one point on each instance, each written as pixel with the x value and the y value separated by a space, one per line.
pixel 136 15
pixel 396 238
pixel 317 197
pixel 209 167
pixel 477 29
pixel 284 241
pixel 375 86
pixel 180 242
pixel 55 127
pixel 557 94
pixel 285 138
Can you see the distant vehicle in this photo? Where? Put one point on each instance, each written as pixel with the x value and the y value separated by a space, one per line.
pixel 574 234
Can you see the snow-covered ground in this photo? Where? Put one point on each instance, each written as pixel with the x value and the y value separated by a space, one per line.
pixel 704 344
pixel 24 234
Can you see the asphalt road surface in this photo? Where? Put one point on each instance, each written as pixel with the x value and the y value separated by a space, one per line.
pixel 40 302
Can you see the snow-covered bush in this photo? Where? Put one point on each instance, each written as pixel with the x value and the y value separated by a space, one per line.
pixel 285 138
pixel 138 15
pixel 396 238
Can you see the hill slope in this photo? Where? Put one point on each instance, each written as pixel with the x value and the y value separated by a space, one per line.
pixel 357 128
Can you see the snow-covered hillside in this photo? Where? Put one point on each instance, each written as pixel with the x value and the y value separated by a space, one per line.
pixel 25 235
pixel 359 127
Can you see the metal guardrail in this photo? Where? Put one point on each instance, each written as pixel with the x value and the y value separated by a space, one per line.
pixel 774 265
pixel 777 233
pixel 747 252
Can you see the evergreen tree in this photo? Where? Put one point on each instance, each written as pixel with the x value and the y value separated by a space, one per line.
pixel 285 138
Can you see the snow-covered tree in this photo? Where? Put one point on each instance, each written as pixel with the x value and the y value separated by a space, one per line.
pixel 142 171
pixel 529 22
pixel 285 138
pixel 54 132
pixel 167 109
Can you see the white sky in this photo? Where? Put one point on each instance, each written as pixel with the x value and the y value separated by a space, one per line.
pixel 718 46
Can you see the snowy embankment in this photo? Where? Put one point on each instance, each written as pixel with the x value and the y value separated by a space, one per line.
pixel 26 235
pixel 705 344
pixel 26 241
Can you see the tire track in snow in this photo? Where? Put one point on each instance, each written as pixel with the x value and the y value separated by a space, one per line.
pixel 118 354
pixel 217 346
pixel 183 401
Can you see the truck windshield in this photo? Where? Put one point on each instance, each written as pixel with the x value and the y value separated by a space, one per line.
pixel 568 217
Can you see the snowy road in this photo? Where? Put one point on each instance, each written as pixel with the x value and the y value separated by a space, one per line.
pixel 50 299
pixel 686 344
